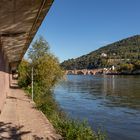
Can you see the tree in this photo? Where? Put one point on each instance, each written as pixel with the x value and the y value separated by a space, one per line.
pixel 24 74
pixel 47 71
pixel 39 49
pixel 126 67
pixel 137 64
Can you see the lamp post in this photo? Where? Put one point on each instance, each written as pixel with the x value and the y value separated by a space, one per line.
pixel 32 76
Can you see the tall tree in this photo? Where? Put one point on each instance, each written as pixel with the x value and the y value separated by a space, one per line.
pixel 47 71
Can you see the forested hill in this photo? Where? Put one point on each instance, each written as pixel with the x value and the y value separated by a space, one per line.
pixel 123 51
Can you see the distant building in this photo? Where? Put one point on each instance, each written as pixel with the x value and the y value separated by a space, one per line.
pixel 112 61
pixel 103 55
pixel 113 68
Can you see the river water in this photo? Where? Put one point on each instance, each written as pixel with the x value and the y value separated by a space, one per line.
pixel 111 103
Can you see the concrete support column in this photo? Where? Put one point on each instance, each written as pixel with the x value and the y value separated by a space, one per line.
pixel 7 82
pixel 4 79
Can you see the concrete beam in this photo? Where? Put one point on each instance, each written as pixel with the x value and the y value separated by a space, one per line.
pixel 20 20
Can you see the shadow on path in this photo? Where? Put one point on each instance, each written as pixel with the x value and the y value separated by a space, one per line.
pixel 9 132
pixel 11 97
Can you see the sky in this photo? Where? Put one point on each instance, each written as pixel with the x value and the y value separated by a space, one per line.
pixel 76 27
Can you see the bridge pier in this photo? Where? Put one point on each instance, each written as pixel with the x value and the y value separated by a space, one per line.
pixel 4 78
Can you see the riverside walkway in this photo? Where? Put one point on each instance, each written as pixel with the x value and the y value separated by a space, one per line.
pixel 19 120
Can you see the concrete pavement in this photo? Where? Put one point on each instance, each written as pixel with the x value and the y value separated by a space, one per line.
pixel 20 120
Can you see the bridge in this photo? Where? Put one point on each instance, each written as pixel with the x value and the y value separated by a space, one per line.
pixel 84 72
pixel 19 22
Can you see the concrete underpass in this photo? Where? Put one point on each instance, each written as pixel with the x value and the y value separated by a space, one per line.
pixel 19 22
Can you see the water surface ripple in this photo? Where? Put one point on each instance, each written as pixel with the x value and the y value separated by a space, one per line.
pixel 109 102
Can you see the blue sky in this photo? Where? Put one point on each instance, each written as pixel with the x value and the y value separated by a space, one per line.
pixel 76 27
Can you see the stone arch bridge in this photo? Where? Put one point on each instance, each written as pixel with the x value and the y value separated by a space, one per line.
pixel 84 72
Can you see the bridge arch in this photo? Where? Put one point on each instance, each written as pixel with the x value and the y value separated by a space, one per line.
pixel 69 72
pixel 80 73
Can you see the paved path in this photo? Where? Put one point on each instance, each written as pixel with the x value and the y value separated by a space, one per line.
pixel 19 120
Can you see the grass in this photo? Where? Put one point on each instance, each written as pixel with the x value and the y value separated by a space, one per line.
pixel 75 130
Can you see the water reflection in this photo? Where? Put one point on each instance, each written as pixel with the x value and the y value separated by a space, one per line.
pixel 109 101
pixel 122 91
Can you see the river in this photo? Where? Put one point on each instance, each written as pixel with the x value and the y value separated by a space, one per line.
pixel 111 103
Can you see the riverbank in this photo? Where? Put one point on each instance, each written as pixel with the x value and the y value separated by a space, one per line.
pixel 124 73
pixel 110 73
pixel 68 128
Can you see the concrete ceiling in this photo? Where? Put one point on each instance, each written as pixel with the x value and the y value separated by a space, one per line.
pixel 19 21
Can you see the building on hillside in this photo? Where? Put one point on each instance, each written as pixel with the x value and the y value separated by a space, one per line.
pixel 103 55
pixel 112 61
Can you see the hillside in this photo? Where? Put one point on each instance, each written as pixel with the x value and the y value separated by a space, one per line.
pixel 120 52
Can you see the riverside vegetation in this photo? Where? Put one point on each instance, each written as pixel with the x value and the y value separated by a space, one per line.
pixel 47 73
